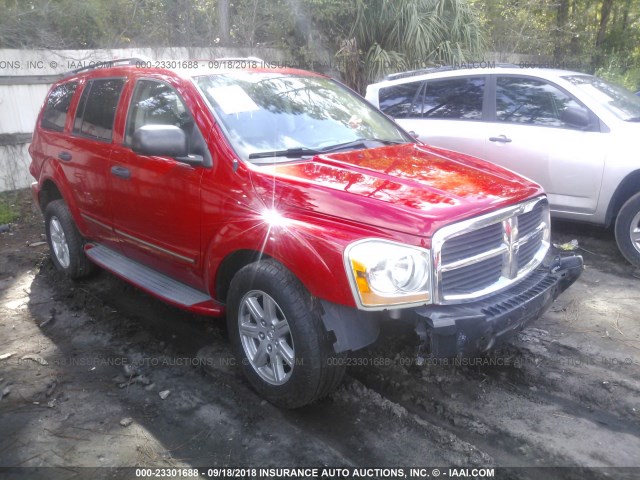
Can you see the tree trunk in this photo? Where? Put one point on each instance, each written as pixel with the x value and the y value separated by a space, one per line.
pixel 605 13
pixel 625 15
pixel 562 17
pixel 223 21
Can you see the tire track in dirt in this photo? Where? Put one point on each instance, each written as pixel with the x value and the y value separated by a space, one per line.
pixel 546 398
pixel 566 397
pixel 212 417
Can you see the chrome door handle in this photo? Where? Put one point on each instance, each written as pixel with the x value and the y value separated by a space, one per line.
pixel 121 172
pixel 500 138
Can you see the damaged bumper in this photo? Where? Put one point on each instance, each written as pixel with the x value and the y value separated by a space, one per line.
pixel 471 328
pixel 462 330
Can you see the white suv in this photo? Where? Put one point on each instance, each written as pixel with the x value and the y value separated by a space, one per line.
pixel 574 134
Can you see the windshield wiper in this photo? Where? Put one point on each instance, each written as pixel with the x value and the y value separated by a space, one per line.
pixel 632 119
pixel 288 153
pixel 305 152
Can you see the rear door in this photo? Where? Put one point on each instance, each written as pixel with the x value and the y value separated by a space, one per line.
pixel 444 112
pixel 85 157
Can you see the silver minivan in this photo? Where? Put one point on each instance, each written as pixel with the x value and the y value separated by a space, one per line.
pixel 574 134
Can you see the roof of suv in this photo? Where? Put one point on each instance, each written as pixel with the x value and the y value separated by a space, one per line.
pixel 447 72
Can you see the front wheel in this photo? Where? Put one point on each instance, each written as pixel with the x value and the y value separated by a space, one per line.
pixel 627 230
pixel 279 338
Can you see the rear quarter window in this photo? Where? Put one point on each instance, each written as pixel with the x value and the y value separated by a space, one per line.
pixel 56 107
pixel 452 98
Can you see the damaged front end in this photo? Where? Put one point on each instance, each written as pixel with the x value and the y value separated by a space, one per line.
pixel 468 329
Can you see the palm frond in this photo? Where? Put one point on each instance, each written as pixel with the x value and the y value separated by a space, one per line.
pixel 394 35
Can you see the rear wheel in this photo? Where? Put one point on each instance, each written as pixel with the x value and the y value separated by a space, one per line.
pixel 65 242
pixel 277 333
pixel 628 230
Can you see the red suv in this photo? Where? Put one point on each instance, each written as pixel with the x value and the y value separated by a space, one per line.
pixel 284 201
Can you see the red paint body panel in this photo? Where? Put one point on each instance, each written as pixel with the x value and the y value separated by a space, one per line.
pixel 410 188
pixel 185 221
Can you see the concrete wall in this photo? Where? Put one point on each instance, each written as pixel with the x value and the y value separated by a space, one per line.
pixel 14 167
pixel 25 78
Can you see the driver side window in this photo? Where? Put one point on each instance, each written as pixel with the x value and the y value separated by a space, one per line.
pixel 531 101
pixel 155 103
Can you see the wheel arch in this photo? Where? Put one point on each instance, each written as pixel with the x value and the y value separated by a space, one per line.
pixel 313 253
pixel 53 185
pixel 312 272
pixel 629 186
pixel 48 193
pixel 231 265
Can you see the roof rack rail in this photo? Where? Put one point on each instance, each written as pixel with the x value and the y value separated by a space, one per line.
pixel 442 68
pixel 105 64
pixel 420 71
pixel 238 59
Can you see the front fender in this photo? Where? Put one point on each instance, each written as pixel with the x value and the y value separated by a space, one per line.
pixel 311 248
pixel 312 252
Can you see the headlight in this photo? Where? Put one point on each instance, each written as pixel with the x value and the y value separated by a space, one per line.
pixel 384 273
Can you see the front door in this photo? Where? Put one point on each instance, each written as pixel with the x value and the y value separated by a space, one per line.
pixel 156 200
pixel 530 136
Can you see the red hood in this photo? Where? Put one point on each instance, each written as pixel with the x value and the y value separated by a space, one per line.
pixel 414 189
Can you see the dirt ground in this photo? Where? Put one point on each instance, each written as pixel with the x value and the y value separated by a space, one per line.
pixel 84 366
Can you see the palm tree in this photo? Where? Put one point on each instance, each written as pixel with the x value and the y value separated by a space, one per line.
pixel 398 35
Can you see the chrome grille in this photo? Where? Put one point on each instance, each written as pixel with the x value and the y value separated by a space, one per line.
pixel 483 255
pixel 464 246
pixel 528 250
pixel 466 279
pixel 529 221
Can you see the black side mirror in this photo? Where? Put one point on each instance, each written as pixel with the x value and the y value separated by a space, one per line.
pixel 576 117
pixel 160 141
pixel 164 141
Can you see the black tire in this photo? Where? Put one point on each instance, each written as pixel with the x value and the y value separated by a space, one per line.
pixel 627 230
pixel 65 242
pixel 315 370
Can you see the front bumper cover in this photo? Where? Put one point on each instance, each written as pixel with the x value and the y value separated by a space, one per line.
pixel 468 329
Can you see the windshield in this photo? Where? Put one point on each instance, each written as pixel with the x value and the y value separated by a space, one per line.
pixel 618 100
pixel 275 117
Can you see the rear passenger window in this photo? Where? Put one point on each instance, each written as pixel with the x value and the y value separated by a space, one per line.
pixel 97 108
pixel 453 98
pixel 55 111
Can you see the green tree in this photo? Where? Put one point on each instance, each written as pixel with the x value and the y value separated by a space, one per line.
pixel 388 36
pixel 53 24
pixel 371 38
pixel 601 36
